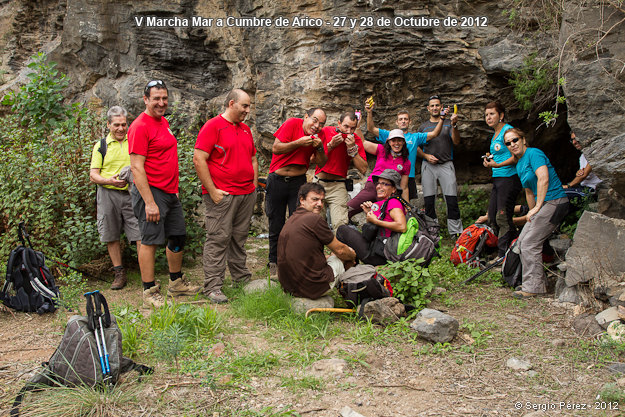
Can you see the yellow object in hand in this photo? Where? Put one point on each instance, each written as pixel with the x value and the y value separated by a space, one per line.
pixel 455 109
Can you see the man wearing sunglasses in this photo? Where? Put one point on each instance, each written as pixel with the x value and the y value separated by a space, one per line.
pixel 438 165
pixel 154 163
pixel 297 143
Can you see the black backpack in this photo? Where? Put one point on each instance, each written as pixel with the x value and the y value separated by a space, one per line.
pixel 512 269
pixel 361 283
pixel 80 359
pixel 29 284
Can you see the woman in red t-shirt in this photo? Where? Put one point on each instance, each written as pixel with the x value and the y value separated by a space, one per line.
pixel 387 213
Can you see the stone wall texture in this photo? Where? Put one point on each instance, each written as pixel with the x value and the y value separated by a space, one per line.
pixel 109 58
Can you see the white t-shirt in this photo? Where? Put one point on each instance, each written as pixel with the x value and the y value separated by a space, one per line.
pixel 591 180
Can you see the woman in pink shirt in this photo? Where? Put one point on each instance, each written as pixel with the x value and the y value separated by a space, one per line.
pixel 387 213
pixel 392 155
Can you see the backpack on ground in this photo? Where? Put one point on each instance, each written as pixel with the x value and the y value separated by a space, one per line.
pixel 471 243
pixel 90 354
pixel 418 241
pixel 512 269
pixel 361 283
pixel 29 284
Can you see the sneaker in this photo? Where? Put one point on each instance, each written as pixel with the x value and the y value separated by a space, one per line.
pixel 152 297
pixel 217 297
pixel 182 286
pixel 273 271
pixel 120 279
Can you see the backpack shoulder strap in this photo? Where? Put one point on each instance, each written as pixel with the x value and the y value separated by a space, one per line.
pixel 103 148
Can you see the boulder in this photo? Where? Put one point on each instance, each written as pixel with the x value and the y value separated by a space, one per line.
pixel 597 249
pixel 435 326
pixel 560 246
pixel 607 316
pixel 302 305
pixel 385 310
pixel 259 285
pixel 585 325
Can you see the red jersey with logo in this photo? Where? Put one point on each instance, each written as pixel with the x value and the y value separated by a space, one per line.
pixel 290 131
pixel 338 160
pixel 230 147
pixel 152 138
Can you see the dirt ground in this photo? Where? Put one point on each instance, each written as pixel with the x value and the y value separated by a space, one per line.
pixel 469 377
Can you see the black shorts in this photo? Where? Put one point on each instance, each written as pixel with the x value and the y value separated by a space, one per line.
pixel 172 217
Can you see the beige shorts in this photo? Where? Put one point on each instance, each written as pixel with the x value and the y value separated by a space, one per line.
pixel 114 212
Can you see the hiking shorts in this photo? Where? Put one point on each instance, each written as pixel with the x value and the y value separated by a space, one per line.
pixel 114 213
pixel 172 217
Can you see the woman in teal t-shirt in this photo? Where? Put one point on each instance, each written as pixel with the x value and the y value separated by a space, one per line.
pixel 548 205
pixel 506 184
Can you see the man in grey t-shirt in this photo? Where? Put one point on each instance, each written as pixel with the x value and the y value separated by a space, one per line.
pixel 438 155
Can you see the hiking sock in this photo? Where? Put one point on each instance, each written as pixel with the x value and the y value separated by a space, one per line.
pixel 118 268
pixel 175 275
pixel 148 285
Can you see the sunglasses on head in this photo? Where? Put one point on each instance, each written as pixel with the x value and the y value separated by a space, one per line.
pixel 513 140
pixel 151 84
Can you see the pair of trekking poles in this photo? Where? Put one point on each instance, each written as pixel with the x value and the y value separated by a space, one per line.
pixel 99 317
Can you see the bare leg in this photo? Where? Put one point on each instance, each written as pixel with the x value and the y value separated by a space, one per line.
pixel 115 252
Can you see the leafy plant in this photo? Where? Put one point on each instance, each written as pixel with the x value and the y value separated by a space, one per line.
pixel 535 82
pixel 72 287
pixel 39 103
pixel 411 282
pixel 168 343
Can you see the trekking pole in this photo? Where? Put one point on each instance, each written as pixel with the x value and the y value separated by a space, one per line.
pixel 497 262
pixel 93 324
pixel 98 313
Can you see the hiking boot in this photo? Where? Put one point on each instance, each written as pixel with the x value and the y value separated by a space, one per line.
pixel 120 279
pixel 182 286
pixel 152 297
pixel 522 295
pixel 217 297
pixel 273 271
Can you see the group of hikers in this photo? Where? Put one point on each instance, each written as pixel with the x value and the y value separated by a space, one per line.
pixel 136 168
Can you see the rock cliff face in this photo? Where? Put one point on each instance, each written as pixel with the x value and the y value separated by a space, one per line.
pixel 111 49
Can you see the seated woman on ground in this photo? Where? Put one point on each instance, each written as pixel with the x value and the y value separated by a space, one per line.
pixel 387 213
pixel 548 205
pixel 392 155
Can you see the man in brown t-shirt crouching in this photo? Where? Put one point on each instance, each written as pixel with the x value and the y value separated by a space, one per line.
pixel 303 269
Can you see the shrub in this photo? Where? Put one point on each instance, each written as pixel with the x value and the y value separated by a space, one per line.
pixel 44 178
pixel 411 282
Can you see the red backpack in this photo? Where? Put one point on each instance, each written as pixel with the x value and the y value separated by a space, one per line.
pixel 471 242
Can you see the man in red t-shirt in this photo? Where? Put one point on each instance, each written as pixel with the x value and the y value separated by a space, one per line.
pixel 154 162
pixel 342 146
pixel 225 161
pixel 298 141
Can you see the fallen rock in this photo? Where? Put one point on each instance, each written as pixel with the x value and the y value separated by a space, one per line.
pixel 302 305
pixel 616 367
pixel 518 364
pixel 385 310
pixel 329 367
pixel 348 412
pixel 590 256
pixel 435 326
pixel 586 325
pixel 560 246
pixel 569 295
pixel 259 285
pixel 616 330
pixel 607 316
